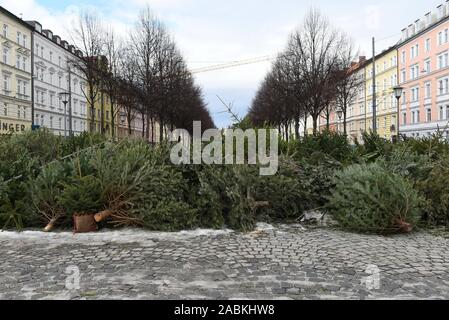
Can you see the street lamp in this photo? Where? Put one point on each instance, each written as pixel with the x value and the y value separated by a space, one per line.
pixel 398 94
pixel 65 96
pixel 339 115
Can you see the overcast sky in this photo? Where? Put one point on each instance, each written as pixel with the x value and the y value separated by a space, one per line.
pixel 211 32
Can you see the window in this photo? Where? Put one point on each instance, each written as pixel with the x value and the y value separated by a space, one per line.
pixel 24 63
pixel 415 94
pixel 403 76
pixel 403 57
pixel 414 72
pixel 6 83
pixel 5 30
pixel 414 51
pixel 24 40
pixel 5 56
pixel 447 112
pixel 42 120
pixel 428 46
pixel 427 66
pixel 18 36
pixel 51 56
pixel 443 37
pixel 19 60
pixel 441 113
pixel 19 86
pixel 404 118
pixel 443 60
pixel 428 90
pixel 429 115
pixel 60 123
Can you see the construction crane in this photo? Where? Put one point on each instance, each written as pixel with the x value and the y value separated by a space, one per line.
pixel 232 64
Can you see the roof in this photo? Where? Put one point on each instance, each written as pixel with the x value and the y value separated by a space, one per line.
pixel 14 17
pixel 383 53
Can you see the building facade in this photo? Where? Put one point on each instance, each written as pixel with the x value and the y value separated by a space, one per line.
pixel 54 74
pixel 386 104
pixel 424 75
pixel 356 115
pixel 100 116
pixel 15 73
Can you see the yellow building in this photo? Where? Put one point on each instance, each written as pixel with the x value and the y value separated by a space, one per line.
pixel 386 103
pixel 100 117
pixel 15 73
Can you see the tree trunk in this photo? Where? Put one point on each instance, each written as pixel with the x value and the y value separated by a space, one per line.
pixel 345 131
pixel 129 124
pixel 112 120
pixel 305 125
pixel 143 125
pixel 161 131
pixel 315 124
pixel 297 128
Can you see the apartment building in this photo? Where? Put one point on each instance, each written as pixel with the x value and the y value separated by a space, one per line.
pixel 15 73
pixel 55 73
pixel 424 74
pixel 356 111
pixel 386 67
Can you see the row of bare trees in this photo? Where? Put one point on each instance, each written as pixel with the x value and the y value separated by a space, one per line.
pixel 309 79
pixel 143 74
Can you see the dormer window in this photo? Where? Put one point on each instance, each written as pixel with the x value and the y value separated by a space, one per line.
pixel 428 18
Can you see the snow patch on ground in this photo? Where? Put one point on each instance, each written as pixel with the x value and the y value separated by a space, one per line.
pixel 107 236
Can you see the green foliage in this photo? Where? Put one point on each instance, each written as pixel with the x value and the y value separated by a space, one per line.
pixel 317 177
pixel 435 188
pixel 80 195
pixel 334 145
pixel 227 187
pixel 43 177
pixel 435 146
pixel 288 195
pixel 46 190
pixel 371 198
pixel 373 147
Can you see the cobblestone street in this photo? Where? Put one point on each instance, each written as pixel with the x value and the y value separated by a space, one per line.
pixel 286 262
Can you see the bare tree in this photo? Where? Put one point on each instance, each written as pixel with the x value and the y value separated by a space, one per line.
pixel 349 81
pixel 313 51
pixel 88 36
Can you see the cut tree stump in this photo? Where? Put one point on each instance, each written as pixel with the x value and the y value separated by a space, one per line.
pixel 101 216
pixel 51 225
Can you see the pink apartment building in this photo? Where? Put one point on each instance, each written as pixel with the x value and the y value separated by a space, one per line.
pixel 423 55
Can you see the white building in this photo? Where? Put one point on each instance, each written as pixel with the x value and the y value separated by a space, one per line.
pixel 53 68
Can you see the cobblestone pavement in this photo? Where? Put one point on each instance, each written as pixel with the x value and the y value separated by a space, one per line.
pixel 286 262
